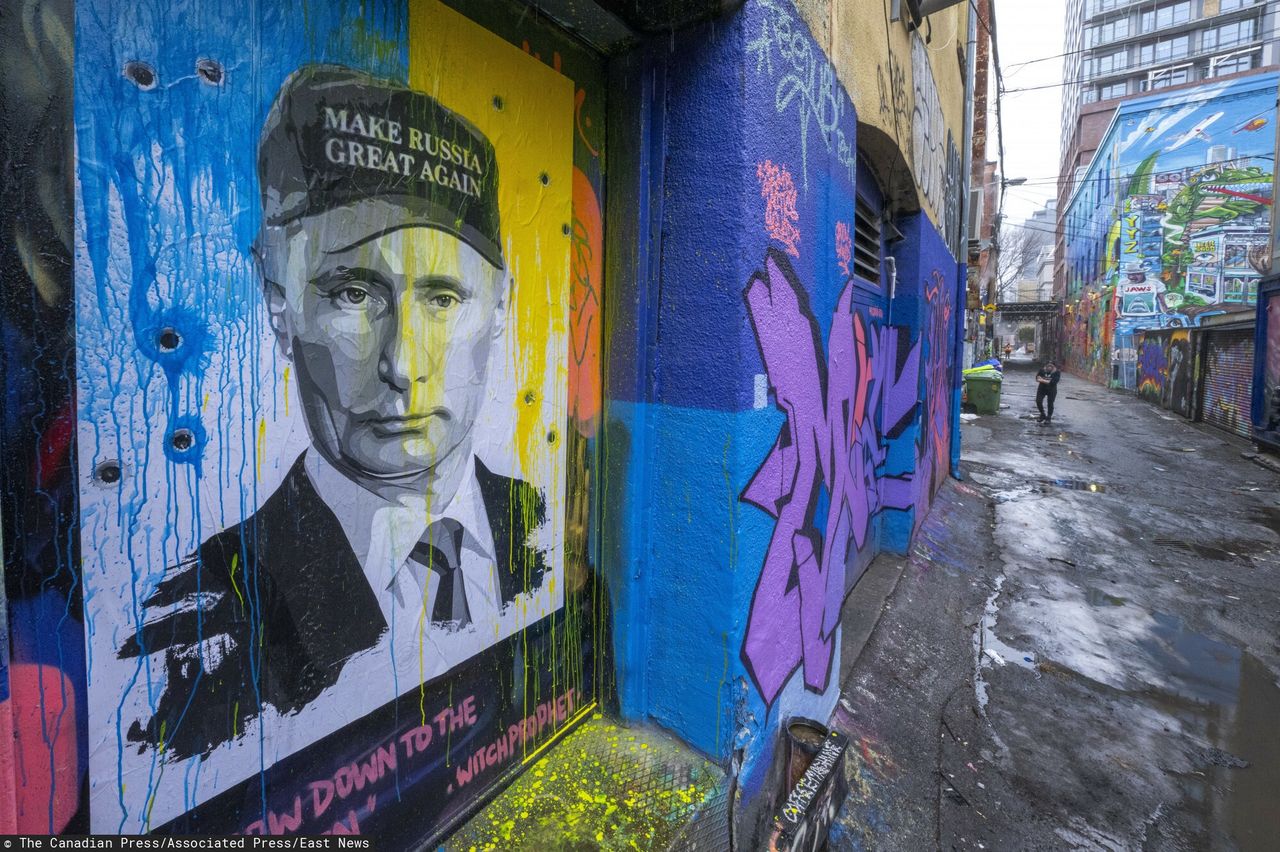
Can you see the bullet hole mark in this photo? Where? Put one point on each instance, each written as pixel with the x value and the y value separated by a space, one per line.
pixel 498 103
pixel 551 436
pixel 565 229
pixel 529 397
pixel 168 339
pixel 210 71
pixel 140 74
pixel 544 178
pixel 183 440
pixel 108 472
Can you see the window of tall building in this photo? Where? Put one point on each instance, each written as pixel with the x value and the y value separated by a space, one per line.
pixel 1228 35
pixel 1168 77
pixel 1089 95
pixel 1110 63
pixel 1165 50
pixel 1107 33
pixel 1093 7
pixel 1176 13
pixel 1234 65
pixel 1232 5
pixel 1115 90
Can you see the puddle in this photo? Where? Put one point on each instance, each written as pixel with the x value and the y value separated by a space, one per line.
pixel 1097 597
pixel 1226 704
pixel 1268 516
pixel 990 651
pixel 1012 495
pixel 1228 698
pixel 1073 484
pixel 1240 549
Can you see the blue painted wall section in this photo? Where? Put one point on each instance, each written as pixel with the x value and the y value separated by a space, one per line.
pixel 795 420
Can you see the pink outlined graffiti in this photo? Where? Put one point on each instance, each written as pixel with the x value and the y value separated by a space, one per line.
pixel 829 439
pixel 844 247
pixel 934 456
pixel 780 215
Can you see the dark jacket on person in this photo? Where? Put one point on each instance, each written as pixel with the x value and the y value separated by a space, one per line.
pixel 268 611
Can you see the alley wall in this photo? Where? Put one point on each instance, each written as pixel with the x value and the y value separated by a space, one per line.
pixel 1170 225
pixel 795 382
pixel 716 376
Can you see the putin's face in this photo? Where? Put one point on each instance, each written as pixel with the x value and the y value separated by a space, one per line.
pixel 389 336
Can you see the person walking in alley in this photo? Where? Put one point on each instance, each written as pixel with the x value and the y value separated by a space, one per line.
pixel 1047 388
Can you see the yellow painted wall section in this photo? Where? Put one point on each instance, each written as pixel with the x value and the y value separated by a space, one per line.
pixel 873 60
pixel 526 109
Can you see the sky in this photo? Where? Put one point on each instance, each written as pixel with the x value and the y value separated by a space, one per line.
pixel 1030 30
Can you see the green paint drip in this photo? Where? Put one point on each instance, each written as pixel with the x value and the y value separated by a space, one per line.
pixel 235 564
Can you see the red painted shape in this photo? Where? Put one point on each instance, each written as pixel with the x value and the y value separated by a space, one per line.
pixel 55 447
pixel 8 816
pixel 1222 190
pixel 587 273
pixel 44 765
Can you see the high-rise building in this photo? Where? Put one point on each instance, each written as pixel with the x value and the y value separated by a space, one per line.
pixel 1118 49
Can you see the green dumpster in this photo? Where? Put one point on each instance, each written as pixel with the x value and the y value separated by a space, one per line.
pixel 983 392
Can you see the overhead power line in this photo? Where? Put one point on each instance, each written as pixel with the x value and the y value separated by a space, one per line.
pixel 1050 180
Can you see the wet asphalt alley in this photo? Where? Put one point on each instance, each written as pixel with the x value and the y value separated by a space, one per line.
pixel 1083 649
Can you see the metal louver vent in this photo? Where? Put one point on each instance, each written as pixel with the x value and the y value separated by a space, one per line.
pixel 866 243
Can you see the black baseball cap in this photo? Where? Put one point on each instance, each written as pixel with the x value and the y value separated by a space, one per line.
pixel 336 137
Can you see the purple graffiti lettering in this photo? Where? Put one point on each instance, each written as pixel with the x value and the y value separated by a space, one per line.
pixel 829 439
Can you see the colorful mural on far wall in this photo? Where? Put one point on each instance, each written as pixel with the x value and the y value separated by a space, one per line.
pixel 1171 222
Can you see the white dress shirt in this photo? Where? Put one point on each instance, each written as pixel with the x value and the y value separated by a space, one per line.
pixel 382 533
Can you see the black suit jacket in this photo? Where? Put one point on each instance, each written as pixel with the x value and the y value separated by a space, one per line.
pixel 267 612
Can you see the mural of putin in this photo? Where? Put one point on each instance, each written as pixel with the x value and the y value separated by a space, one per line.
pixel 384 279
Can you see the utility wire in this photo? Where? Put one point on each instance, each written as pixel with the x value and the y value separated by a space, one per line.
pixel 990 26
pixel 1162 65
pixel 1096 47
pixel 1050 180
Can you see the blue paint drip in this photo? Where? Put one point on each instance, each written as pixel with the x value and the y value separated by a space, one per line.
pixel 168 198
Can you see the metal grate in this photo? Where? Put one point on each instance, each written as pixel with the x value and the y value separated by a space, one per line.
pixel 607 786
pixel 866 243
pixel 709 830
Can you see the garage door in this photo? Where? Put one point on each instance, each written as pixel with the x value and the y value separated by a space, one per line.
pixel 1228 380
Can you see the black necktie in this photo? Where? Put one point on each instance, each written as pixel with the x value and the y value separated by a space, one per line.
pixel 440 551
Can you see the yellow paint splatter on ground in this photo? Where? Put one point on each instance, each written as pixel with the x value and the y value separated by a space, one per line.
pixel 603 787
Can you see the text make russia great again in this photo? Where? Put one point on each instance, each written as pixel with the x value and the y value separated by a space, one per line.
pixel 447 163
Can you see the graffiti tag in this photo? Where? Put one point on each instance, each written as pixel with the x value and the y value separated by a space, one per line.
pixel 780 214
pixel 806 80
pixel 829 438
